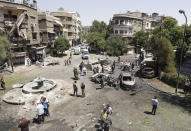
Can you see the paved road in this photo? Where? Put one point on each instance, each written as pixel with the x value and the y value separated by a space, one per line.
pixel 130 107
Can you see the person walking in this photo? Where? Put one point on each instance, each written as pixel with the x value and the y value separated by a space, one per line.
pixel 102 82
pixel 154 103
pixel 40 112
pixel 186 86
pixel 75 88
pixel 119 59
pixel 24 124
pixel 83 86
pixel 2 83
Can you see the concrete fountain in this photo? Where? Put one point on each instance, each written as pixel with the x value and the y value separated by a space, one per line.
pixel 37 86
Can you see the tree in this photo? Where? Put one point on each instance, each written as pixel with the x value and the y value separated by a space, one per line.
pixel 96 41
pixel 97 26
pixel 163 51
pixel 141 40
pixel 97 35
pixel 61 44
pixel 116 46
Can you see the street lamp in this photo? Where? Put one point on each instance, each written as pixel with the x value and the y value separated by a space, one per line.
pixel 182 49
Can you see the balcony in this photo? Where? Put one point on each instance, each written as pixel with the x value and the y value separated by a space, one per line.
pixel 67 22
pixel 70 30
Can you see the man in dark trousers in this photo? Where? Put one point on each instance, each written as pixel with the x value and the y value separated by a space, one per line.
pixel 75 88
pixel 2 83
pixel 24 124
pixel 154 103
pixel 83 89
pixel 102 82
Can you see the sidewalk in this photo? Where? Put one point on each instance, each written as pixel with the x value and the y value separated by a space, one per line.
pixel 163 87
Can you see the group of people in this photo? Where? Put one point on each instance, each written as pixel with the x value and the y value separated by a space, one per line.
pixel 82 68
pixel 75 89
pixel 42 110
pixel 105 118
pixel 68 61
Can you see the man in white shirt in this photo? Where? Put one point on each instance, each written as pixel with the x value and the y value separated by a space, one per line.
pixel 40 112
pixel 154 103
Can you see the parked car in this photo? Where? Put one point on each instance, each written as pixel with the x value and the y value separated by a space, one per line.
pixel 127 80
pixel 148 72
pixel 85 55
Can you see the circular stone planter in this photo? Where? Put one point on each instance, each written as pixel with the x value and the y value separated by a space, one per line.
pixel 38 86
pixel 14 97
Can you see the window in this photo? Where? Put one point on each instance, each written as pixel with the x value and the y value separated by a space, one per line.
pixel 135 21
pixel 121 22
pixel 116 22
pixel 147 24
pixel 125 31
pixel 116 31
pixel 121 32
pixel 34 36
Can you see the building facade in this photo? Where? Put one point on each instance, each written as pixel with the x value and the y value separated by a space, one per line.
pixel 20 23
pixel 126 24
pixel 71 24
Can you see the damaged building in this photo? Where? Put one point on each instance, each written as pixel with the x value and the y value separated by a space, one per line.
pixel 50 28
pixel 20 22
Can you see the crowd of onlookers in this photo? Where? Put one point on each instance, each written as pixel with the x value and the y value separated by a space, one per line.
pixel 42 110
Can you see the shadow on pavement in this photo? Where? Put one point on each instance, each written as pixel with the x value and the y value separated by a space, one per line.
pixel 148 112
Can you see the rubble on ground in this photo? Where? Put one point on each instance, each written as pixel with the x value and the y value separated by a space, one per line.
pixel 50 61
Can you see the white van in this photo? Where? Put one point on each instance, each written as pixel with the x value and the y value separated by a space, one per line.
pixel 77 51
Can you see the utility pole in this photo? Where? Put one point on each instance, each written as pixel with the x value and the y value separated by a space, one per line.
pixel 182 49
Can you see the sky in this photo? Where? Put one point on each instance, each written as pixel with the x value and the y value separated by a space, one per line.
pixel 103 10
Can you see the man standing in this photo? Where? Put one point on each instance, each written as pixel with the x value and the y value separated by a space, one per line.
pixel 2 83
pixel 75 88
pixel 102 82
pixel 46 106
pixel 24 124
pixel 83 89
pixel 40 112
pixel 154 103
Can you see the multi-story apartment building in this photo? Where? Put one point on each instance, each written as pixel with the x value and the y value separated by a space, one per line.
pixel 20 22
pixel 126 24
pixel 50 29
pixel 71 24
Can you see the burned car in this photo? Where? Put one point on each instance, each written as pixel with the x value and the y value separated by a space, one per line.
pixel 127 80
pixel 97 77
pixel 148 72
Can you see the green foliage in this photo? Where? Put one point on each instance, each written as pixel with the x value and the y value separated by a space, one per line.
pixel 97 35
pixel 171 79
pixel 4 45
pixel 61 44
pixel 98 27
pixel 96 40
pixel 188 35
pixel 163 50
pixel 170 30
pixel 141 39
pixel 116 46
